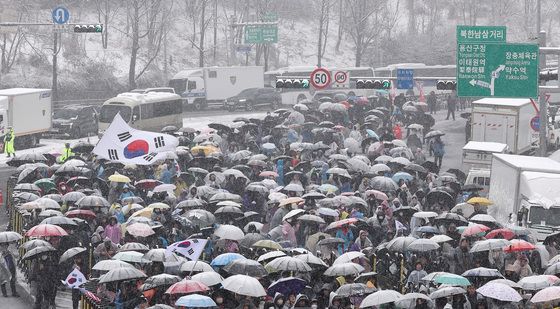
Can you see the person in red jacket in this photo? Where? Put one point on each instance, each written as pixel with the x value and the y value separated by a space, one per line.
pixel 397 131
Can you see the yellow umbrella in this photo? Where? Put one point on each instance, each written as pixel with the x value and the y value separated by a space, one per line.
pixel 267 244
pixel 116 177
pixel 158 206
pixel 291 200
pixel 482 201
pixel 208 149
pixel 146 212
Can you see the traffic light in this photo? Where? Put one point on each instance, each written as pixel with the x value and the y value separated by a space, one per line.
pixel 548 75
pixel 91 28
pixel 446 85
pixel 302 83
pixel 373 84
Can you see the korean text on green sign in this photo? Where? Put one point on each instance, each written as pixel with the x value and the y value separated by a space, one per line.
pixel 497 70
pixel 481 34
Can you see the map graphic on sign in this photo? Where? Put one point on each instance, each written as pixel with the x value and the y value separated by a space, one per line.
pixel 498 69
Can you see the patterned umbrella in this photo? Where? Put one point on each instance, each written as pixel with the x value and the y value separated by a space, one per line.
pixel 44 230
pixel 500 292
pixel 547 295
pixel 122 274
pixel 288 263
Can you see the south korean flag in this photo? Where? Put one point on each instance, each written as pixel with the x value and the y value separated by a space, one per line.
pixel 122 143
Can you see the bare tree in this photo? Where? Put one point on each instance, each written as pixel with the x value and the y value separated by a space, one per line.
pixel 341 15
pixel 411 16
pixel 139 11
pixel 203 22
pixel 10 49
pixel 323 8
pixel 106 12
pixel 365 24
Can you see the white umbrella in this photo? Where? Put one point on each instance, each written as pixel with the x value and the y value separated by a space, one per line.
pixel 425 215
pixel 231 232
pixel 122 274
pixel 409 300
pixel 292 214
pixel 107 265
pixel 500 292
pixel 311 259
pixel 547 295
pixel 482 272
pixel 244 285
pixel 534 283
pixel 482 218
pixel 348 257
pixel 553 269
pixel 506 282
pixel 270 255
pixel 344 269
pixel 423 245
pixel 441 238
pixel 160 255
pixel 208 277
pixel 447 291
pixel 294 187
pixel 196 266
pixel 381 297
pixel 9 236
pixel 489 244
pixel 289 263
pixel 380 167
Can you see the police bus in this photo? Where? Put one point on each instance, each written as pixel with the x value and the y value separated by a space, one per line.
pixel 293 96
pixel 144 111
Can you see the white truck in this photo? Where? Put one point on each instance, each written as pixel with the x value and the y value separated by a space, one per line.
pixel 477 161
pixel 506 121
pixel 211 86
pixel 524 192
pixel 28 111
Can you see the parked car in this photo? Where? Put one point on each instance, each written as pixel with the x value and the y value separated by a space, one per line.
pixel 74 121
pixel 252 98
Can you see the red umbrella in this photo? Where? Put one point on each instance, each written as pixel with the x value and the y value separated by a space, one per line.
pixel 147 184
pixel 501 233
pixel 268 174
pixel 340 223
pixel 475 230
pixel 43 230
pixel 518 245
pixel 80 213
pixel 186 287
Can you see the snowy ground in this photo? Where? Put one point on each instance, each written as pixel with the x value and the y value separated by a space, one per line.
pixel 196 122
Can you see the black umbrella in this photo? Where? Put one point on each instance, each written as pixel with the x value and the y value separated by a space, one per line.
pixel 83 147
pixel 430 166
pixel 219 127
pixel 413 167
pixel 460 175
pixel 440 196
pixel 450 217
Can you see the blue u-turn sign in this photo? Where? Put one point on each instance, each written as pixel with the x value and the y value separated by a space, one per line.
pixel 60 15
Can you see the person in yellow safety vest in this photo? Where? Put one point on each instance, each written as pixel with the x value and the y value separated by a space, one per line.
pixel 66 153
pixel 9 142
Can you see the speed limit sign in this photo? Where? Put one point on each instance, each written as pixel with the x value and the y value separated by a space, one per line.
pixel 320 78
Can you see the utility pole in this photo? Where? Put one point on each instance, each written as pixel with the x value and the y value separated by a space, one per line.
pixel 543 108
pixel 56 48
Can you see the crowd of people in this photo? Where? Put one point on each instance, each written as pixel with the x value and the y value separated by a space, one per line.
pixel 333 206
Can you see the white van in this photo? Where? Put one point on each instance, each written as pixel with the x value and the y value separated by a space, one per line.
pixel 480 177
pixel 479 154
pixel 144 111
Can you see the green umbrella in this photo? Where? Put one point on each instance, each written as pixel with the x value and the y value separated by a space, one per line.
pixel 45 184
pixel 452 279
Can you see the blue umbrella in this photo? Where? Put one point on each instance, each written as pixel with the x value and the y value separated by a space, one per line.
pixel 225 258
pixel 287 286
pixel 402 175
pixel 372 133
pixel 381 91
pixel 427 229
pixel 195 301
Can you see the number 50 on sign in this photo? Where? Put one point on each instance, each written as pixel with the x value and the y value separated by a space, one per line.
pixel 320 78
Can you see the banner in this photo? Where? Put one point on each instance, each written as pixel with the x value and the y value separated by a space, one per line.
pixel 127 145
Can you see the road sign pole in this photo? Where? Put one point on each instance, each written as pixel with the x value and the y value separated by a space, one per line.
pixel 543 108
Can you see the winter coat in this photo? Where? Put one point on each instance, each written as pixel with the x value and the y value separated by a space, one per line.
pixel 439 148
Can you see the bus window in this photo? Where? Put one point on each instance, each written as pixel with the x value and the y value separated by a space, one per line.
pixel 109 111
pixel 147 111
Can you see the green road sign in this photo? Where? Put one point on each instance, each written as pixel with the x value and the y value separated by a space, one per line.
pixel 261 34
pixel 481 34
pixel 497 70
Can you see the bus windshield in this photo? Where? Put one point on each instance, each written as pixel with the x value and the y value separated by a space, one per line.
pixel 109 111
pixel 541 216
